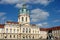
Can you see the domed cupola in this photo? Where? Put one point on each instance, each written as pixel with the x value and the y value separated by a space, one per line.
pixel 24 16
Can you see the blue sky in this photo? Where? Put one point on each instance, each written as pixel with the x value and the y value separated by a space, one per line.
pixel 45 13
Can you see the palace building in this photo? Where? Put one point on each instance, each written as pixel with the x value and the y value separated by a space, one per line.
pixel 55 32
pixel 24 30
pixel 21 29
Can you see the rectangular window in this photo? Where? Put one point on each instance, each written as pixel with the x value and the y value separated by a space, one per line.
pixel 17 30
pixel 6 30
pixel 14 30
pixel 29 30
pixel 10 30
pixel 14 36
pixel 1 35
pixel 33 31
pixel 23 30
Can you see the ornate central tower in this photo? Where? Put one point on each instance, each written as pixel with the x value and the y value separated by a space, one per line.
pixel 24 17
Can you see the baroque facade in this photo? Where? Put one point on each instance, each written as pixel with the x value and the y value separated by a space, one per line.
pixel 21 29
pixel 56 32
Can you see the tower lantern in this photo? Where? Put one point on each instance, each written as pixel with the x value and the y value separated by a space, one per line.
pixel 24 10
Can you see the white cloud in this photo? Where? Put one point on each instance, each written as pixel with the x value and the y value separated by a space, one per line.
pixel 20 5
pixel 45 24
pixel 38 15
pixel 2 20
pixel 56 21
pixel 9 1
pixel 2 14
pixel 10 20
pixel 2 17
pixel 40 25
pixel 43 2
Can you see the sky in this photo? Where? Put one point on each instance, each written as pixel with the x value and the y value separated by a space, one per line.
pixel 44 13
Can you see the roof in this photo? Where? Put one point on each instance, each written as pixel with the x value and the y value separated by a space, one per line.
pixel 53 28
pixel 43 29
pixel 33 24
pixel 12 22
pixel 1 25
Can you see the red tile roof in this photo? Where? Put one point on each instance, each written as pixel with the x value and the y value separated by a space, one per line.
pixel 12 22
pixel 1 25
pixel 43 29
pixel 53 28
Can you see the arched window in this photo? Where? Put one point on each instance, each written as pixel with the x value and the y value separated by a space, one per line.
pixel 22 18
pixel 26 30
pixel 26 36
pixel 26 19
pixel 23 36
pixel 23 30
pixel 10 36
pixel 14 36
pixel 29 30
pixel 6 36
pixel 29 36
pixel 33 37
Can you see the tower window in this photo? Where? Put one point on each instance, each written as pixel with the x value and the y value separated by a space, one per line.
pixel 26 18
pixel 22 19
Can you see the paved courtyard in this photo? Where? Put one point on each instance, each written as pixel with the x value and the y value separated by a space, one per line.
pixel 27 39
pixel 22 39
